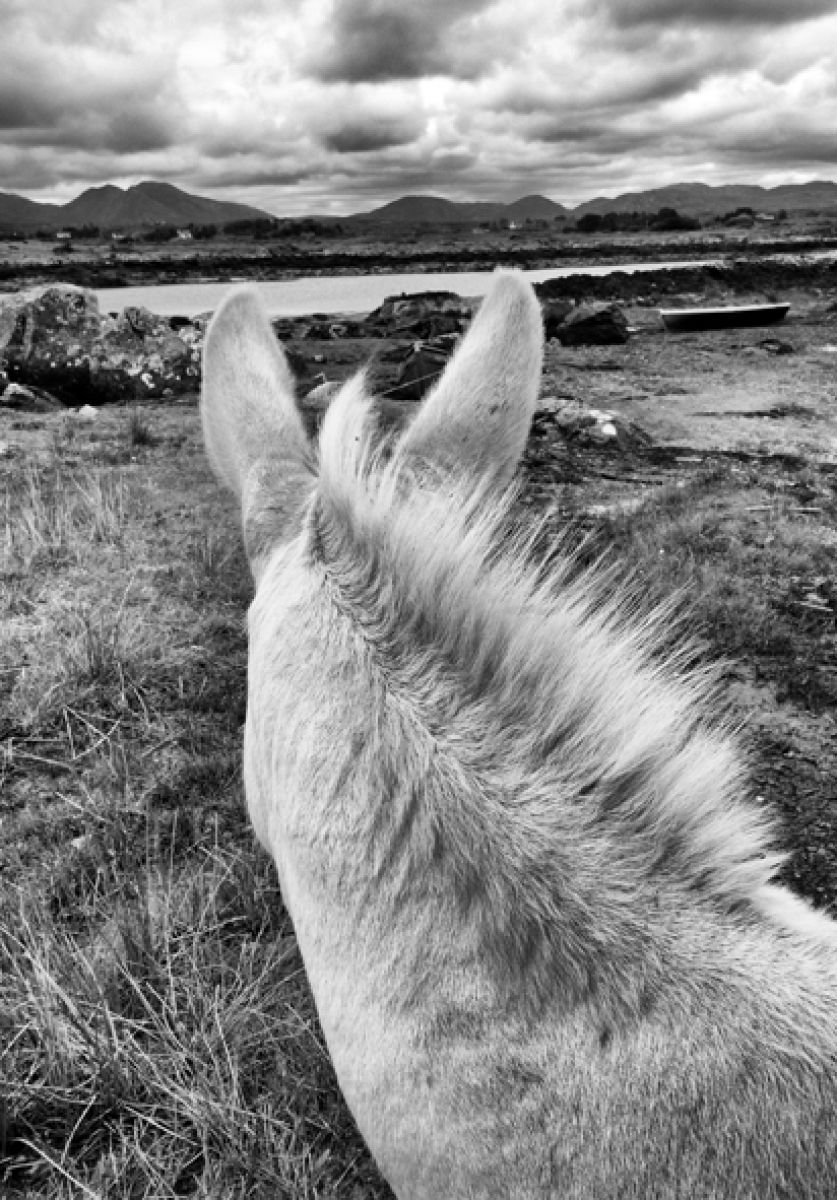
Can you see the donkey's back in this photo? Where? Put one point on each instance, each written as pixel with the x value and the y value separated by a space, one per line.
pixel 537 917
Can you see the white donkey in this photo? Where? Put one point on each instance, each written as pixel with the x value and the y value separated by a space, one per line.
pixel 537 917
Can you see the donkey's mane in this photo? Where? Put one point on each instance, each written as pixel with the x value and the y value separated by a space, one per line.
pixel 535 687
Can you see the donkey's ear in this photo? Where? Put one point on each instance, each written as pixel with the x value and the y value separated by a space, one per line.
pixel 247 404
pixel 476 420
pixel 252 429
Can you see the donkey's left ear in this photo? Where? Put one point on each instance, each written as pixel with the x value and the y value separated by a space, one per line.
pixel 253 432
pixel 476 421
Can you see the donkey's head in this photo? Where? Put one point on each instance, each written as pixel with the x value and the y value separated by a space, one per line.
pixel 391 619
pixel 474 424
pixel 528 895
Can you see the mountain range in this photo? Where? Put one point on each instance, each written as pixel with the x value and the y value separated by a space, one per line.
pixel 700 200
pixel 689 199
pixel 112 207
pixel 433 210
pixel 150 203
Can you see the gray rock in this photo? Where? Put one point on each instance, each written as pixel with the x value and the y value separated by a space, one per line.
pixel 426 315
pixel 593 325
pixel 56 339
pixel 555 313
pixel 576 423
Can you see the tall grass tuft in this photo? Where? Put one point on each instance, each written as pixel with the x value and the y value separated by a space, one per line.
pixel 51 515
pixel 171 1047
pixel 139 429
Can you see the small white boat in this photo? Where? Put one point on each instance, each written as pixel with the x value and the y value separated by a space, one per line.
pixel 684 320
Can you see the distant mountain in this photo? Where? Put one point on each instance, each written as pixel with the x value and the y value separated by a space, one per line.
pixel 111 207
pixel 16 212
pixel 689 199
pixel 698 199
pixel 434 210
pixel 535 208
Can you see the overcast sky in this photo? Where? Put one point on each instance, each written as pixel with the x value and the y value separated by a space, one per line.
pixel 340 105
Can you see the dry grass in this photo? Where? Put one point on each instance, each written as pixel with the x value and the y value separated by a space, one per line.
pixel 158 1036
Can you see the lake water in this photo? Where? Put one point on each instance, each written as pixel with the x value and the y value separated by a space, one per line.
pixel 337 293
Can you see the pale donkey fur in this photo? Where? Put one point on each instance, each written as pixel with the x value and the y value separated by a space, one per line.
pixel 536 915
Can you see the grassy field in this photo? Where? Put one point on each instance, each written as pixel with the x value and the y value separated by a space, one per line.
pixel 157 1036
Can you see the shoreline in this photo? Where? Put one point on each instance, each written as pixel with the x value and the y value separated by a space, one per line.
pixel 102 270
pixel 762 277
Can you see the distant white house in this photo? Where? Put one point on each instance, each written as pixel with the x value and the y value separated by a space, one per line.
pixel 185 235
pixel 63 235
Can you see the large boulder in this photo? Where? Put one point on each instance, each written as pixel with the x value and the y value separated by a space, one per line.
pixel 55 338
pixel 593 325
pixel 139 355
pixel 425 315
pixel 45 337
pixel 554 313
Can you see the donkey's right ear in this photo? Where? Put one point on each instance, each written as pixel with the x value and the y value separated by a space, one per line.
pixel 476 421
pixel 253 432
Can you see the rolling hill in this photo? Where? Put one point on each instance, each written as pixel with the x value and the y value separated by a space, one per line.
pixel 689 199
pixel 698 199
pixel 434 210
pixel 112 208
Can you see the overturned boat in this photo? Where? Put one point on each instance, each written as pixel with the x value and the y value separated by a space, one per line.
pixel 734 316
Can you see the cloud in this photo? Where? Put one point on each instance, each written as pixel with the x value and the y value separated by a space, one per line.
pixel 375 40
pixel 659 13
pixel 24 107
pixel 332 105
pixel 357 137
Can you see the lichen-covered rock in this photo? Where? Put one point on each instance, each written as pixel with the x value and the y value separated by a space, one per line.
pixel 574 422
pixel 141 356
pixel 56 339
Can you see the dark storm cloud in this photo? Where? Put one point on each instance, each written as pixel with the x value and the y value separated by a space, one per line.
pixel 620 91
pixel 711 12
pixel 125 125
pixel 23 106
pixel 771 140
pixel 135 131
pixel 236 176
pixel 371 40
pixel 79 95
pixel 359 137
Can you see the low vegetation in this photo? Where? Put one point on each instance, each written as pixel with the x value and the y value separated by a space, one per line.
pixel 158 1037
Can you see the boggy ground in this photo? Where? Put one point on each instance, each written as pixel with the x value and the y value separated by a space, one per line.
pixel 382 248
pixel 156 1033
